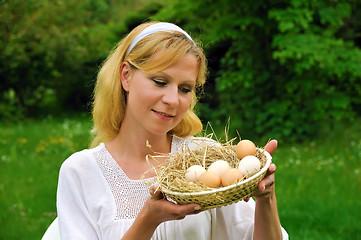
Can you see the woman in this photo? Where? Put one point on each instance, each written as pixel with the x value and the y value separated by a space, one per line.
pixel 145 93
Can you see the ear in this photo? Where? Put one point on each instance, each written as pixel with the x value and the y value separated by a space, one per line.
pixel 125 73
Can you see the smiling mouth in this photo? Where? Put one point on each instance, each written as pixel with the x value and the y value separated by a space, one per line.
pixel 163 114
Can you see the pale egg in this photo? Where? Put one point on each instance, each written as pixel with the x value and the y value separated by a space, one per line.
pixel 231 176
pixel 249 165
pixel 245 148
pixel 194 172
pixel 219 167
pixel 210 179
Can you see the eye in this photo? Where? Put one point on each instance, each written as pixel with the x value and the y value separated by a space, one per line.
pixel 186 89
pixel 159 83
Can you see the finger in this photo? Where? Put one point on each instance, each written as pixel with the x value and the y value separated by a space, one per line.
pixel 183 210
pixel 154 188
pixel 157 195
pixel 261 186
pixel 155 192
pixel 272 168
pixel 195 212
pixel 271 146
pixel 266 182
pixel 192 208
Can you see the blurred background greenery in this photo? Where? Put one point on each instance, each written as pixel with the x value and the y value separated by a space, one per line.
pixel 280 69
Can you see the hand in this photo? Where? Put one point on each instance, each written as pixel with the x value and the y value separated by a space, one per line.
pixel 159 209
pixel 266 186
pixel 155 211
pixel 267 224
pixel 271 146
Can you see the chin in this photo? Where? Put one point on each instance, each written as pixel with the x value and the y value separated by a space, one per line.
pixel 161 131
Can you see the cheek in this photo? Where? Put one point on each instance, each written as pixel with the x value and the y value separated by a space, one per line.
pixel 140 91
pixel 186 102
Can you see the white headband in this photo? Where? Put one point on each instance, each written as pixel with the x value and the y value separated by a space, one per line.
pixel 157 27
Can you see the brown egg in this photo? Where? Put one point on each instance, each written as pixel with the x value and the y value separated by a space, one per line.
pixel 245 148
pixel 231 176
pixel 210 179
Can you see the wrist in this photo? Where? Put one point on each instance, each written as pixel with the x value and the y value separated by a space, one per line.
pixel 267 223
pixel 146 220
pixel 142 228
pixel 267 195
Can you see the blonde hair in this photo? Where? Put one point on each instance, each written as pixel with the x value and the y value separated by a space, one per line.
pixel 152 54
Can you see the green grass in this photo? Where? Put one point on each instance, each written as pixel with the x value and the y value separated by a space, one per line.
pixel 319 186
pixel 318 182
pixel 31 153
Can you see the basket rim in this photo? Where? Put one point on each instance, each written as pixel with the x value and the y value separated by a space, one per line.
pixel 221 189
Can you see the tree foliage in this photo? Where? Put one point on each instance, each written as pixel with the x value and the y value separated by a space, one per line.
pixel 277 68
pixel 50 50
pixel 285 69
pixel 45 48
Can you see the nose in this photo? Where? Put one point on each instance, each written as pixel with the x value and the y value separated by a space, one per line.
pixel 170 96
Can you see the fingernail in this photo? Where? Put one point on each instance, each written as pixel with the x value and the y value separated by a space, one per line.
pixel 197 207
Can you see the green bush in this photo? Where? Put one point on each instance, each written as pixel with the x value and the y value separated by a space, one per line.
pixel 285 69
pixel 51 50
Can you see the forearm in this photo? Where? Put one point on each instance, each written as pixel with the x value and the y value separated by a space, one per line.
pixel 141 229
pixel 267 224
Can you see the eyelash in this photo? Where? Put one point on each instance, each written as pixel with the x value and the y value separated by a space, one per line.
pixel 186 90
pixel 159 83
pixel 162 84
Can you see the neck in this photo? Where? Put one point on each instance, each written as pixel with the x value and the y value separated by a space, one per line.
pixel 140 144
pixel 133 144
pixel 131 147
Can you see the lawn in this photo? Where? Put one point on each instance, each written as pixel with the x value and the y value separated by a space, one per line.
pixel 319 186
pixel 318 182
pixel 31 153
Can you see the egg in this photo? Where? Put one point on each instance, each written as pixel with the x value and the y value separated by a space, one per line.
pixel 210 179
pixel 219 167
pixel 245 148
pixel 194 172
pixel 249 165
pixel 231 176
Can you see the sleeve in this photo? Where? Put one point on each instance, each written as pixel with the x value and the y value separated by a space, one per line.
pixel 236 222
pixel 75 221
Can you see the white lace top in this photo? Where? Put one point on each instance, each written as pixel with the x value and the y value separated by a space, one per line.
pixel 129 195
pixel 96 200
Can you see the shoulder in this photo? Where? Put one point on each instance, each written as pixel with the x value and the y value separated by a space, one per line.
pixel 80 161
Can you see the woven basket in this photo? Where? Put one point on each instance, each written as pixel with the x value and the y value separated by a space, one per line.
pixel 224 195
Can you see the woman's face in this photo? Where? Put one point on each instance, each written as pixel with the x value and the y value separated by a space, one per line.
pixel 157 102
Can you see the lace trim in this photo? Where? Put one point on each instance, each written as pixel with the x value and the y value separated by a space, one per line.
pixel 129 195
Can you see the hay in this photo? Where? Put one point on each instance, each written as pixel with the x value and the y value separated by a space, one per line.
pixel 170 174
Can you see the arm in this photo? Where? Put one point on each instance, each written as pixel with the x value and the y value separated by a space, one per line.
pixel 75 221
pixel 155 211
pixel 267 224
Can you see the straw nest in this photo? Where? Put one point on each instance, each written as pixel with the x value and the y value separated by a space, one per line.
pixel 204 151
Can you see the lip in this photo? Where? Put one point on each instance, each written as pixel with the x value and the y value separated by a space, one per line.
pixel 163 115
